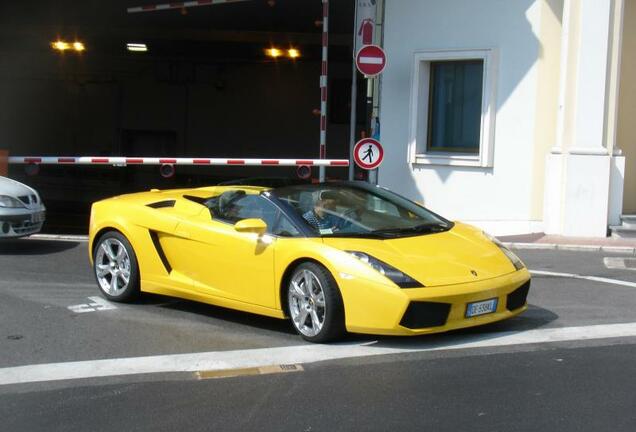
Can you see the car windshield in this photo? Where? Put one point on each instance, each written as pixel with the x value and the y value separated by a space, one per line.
pixel 358 210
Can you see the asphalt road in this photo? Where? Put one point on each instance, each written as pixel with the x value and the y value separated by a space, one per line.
pixel 567 364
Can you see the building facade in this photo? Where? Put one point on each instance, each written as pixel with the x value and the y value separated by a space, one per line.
pixel 515 116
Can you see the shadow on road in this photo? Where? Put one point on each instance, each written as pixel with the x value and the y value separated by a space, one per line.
pixel 534 318
pixel 216 312
pixel 35 247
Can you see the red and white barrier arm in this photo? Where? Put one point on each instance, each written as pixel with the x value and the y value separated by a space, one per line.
pixel 323 79
pixel 179 5
pixel 119 160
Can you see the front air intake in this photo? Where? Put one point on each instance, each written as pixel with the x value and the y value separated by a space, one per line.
pixel 425 314
pixel 517 298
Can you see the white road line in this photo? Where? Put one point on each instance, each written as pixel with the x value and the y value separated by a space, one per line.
pixel 58 237
pixel 227 360
pixel 590 278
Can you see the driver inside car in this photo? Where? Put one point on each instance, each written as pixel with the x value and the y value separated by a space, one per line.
pixel 324 216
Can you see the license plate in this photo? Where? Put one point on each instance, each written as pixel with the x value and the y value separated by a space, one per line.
pixel 37 217
pixel 481 308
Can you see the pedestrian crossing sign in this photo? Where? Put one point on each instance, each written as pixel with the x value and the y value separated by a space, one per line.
pixel 368 153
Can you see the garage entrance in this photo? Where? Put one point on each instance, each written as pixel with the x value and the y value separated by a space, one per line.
pixel 239 79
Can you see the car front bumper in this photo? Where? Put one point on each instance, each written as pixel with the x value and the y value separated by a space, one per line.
pixel 21 222
pixel 380 309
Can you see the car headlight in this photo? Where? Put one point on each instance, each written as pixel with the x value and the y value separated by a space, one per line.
pixel 396 276
pixel 514 259
pixel 10 202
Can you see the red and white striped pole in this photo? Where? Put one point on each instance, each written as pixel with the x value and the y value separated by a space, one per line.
pixel 179 5
pixel 123 161
pixel 323 86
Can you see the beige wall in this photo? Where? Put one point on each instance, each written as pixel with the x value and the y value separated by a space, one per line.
pixel 547 96
pixel 626 133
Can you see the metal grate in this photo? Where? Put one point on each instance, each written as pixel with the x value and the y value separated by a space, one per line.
pixel 425 314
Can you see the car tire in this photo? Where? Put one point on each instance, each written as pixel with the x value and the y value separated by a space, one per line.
pixel 314 303
pixel 115 267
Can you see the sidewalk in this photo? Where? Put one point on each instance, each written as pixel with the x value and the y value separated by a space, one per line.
pixel 594 244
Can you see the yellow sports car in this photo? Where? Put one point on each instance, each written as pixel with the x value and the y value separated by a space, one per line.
pixel 333 257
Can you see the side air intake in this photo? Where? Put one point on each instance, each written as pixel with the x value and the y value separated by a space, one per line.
pixel 162 256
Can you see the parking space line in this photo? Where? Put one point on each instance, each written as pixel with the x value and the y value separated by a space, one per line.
pixel 302 354
pixel 590 278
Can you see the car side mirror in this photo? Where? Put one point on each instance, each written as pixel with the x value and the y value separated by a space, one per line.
pixel 252 225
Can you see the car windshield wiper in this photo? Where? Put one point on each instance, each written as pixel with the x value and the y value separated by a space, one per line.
pixel 370 234
pixel 418 229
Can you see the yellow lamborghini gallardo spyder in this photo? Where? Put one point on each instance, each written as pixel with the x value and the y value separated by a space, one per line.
pixel 333 257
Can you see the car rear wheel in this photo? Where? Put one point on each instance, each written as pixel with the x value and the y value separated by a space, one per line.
pixel 314 303
pixel 116 268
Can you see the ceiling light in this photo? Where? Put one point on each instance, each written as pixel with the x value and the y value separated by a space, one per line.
pixel 60 45
pixel 273 52
pixel 293 53
pixel 137 47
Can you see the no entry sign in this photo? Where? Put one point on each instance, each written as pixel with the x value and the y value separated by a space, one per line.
pixel 371 60
pixel 368 153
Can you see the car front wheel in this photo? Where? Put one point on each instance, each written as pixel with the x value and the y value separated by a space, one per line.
pixel 116 268
pixel 314 303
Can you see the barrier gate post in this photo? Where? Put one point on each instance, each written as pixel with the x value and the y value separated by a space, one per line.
pixel 4 163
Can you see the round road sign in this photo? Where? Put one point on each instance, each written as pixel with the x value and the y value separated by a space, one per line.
pixel 371 60
pixel 368 153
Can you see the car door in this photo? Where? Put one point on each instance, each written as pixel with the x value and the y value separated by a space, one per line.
pixel 226 263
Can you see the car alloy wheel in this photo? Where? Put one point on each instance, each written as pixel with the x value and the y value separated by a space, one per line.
pixel 307 303
pixel 116 267
pixel 314 303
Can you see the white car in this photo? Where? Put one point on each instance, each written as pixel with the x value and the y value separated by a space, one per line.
pixel 21 210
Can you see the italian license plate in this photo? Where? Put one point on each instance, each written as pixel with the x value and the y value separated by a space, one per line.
pixel 37 217
pixel 481 308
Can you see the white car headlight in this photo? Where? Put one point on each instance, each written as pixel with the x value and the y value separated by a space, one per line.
pixel 10 202
pixel 514 259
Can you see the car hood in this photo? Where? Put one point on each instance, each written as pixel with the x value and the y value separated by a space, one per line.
pixel 462 254
pixel 14 188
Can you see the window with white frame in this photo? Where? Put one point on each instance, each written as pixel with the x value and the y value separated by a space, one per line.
pixel 452 108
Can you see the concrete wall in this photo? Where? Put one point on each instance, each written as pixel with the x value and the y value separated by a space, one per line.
pixel 504 198
pixel 548 65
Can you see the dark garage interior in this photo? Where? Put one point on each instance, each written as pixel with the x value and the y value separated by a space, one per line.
pixel 207 86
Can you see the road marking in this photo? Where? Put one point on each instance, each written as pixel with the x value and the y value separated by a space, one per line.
pixel 58 237
pixel 302 354
pixel 620 263
pixel 265 370
pixel 590 278
pixel 96 304
pixel 614 263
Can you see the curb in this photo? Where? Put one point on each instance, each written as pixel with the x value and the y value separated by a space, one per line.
pixel 59 237
pixel 568 247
